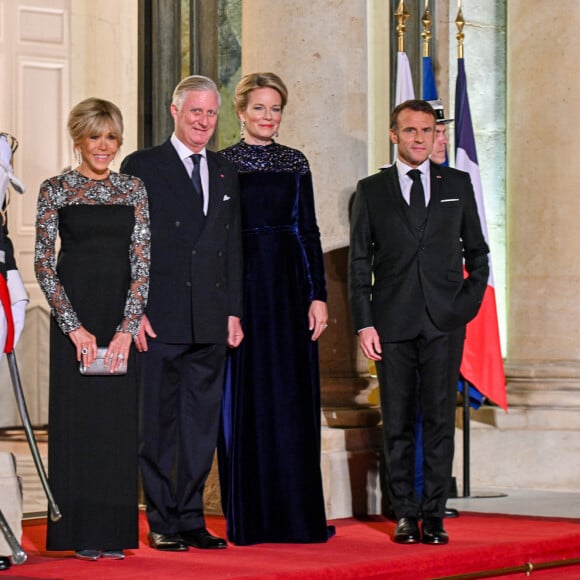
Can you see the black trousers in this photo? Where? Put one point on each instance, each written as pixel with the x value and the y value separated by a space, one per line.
pixel 424 369
pixel 180 400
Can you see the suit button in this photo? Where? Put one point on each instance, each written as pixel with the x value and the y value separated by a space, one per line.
pixel 193 252
pixel 227 226
pixel 188 284
pixel 220 253
pixel 217 284
pixel 177 224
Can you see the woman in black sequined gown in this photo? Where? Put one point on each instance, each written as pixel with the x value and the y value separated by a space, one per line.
pixel 97 290
pixel 270 446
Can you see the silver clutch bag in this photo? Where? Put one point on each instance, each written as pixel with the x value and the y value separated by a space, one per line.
pixel 98 367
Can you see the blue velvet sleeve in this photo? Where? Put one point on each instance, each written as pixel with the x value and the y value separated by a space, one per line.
pixel 310 236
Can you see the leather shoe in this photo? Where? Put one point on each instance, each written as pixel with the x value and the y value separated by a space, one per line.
pixel 407 531
pixel 5 563
pixel 433 531
pixel 167 542
pixel 203 540
pixel 451 513
pixel 113 554
pixel 88 554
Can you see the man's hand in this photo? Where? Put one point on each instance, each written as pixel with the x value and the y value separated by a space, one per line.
pixel 370 343
pixel 145 330
pixel 235 332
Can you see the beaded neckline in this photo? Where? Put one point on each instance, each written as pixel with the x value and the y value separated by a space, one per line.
pixel 266 158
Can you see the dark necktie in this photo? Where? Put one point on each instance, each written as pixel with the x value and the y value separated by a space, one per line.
pixel 417 197
pixel 196 180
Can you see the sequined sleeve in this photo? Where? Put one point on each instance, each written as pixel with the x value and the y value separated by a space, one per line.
pixel 140 257
pixel 45 259
pixel 70 189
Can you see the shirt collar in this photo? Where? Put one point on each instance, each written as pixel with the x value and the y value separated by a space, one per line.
pixel 183 150
pixel 403 168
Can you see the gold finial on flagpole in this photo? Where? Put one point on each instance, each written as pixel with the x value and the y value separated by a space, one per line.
pixel 426 34
pixel 401 15
pixel 459 22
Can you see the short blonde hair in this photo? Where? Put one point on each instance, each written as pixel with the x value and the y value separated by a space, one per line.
pixel 193 83
pixel 92 116
pixel 255 81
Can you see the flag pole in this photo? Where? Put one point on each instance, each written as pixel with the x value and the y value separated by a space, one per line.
pixel 427 21
pixel 401 15
pixel 404 89
pixel 460 23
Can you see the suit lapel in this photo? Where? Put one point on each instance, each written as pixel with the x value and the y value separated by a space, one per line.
pixel 173 170
pixel 216 185
pixel 437 182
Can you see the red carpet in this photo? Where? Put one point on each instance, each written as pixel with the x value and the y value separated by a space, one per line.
pixel 360 549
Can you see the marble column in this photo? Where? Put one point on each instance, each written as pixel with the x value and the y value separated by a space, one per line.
pixel 543 202
pixel 543 205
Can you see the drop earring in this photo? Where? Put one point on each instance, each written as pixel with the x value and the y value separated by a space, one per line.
pixel 79 158
pixel 242 129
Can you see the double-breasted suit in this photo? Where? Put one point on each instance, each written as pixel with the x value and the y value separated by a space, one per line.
pixel 195 285
pixel 196 269
pixel 407 281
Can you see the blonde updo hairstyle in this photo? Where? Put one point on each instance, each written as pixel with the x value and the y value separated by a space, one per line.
pixel 255 81
pixel 93 116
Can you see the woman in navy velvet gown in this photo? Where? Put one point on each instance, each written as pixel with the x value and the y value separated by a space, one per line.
pixel 270 445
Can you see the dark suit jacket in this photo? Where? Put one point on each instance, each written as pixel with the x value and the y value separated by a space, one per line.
pixel 396 270
pixel 195 280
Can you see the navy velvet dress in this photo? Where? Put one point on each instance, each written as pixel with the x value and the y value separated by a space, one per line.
pixel 269 450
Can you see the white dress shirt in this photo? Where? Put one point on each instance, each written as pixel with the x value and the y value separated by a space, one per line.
pixel 406 182
pixel 185 154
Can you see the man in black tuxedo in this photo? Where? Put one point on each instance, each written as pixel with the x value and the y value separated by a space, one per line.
pixel 193 313
pixel 411 235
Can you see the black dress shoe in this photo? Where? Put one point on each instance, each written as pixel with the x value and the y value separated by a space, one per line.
pixel 5 563
pixel 203 540
pixel 167 542
pixel 407 531
pixel 451 513
pixel 433 531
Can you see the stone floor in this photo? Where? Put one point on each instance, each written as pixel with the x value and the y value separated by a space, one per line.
pixel 505 501
pixel 530 502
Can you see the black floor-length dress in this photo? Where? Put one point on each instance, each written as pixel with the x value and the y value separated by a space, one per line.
pixel 269 450
pixel 103 227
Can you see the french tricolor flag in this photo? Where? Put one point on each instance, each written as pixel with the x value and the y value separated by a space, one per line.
pixel 404 83
pixel 482 364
